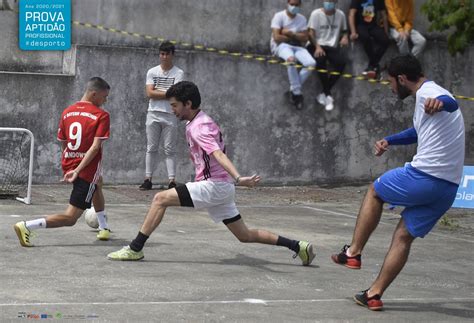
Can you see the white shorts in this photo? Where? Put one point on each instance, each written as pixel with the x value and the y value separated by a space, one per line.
pixel 217 197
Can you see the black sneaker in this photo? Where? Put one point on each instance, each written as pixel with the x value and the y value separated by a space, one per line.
pixel 146 186
pixel 299 102
pixel 373 303
pixel 172 185
pixel 342 258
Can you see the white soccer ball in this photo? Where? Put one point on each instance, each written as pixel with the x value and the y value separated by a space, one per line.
pixel 91 218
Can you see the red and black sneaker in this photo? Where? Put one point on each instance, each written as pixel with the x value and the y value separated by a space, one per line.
pixel 373 303
pixel 342 258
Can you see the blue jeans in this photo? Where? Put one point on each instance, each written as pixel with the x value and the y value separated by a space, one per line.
pixel 302 55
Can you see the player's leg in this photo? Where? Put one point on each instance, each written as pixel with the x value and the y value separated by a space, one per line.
pixel 394 262
pixel 98 200
pixel 81 198
pixel 170 139
pixel 153 132
pixel 153 218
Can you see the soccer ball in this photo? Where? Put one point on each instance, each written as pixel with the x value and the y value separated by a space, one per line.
pixel 91 218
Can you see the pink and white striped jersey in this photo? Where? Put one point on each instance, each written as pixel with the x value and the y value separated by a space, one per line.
pixel 204 137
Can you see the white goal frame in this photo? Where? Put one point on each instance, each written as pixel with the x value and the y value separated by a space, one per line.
pixel 27 199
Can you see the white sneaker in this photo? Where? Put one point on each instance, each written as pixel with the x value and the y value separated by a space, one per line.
pixel 329 103
pixel 321 98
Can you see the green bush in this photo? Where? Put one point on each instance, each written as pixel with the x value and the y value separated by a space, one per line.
pixel 454 16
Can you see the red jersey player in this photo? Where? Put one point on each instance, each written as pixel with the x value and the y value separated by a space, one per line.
pixel 82 129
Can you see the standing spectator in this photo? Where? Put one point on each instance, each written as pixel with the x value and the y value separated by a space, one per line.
pixel 364 23
pixel 160 121
pixel 326 25
pixel 400 17
pixel 289 34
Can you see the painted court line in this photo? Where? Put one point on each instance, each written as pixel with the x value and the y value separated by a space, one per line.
pixel 244 301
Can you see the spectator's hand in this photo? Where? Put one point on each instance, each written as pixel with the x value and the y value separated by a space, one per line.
pixel 381 146
pixel 249 181
pixel 433 105
pixel 287 32
pixel 70 176
pixel 403 35
pixel 344 41
pixel 319 52
pixel 354 36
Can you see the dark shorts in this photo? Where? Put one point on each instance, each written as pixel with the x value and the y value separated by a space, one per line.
pixel 425 198
pixel 81 195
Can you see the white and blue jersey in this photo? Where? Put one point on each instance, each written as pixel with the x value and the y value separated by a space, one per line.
pixel 427 186
pixel 440 151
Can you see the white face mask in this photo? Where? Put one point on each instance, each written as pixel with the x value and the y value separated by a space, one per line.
pixel 294 10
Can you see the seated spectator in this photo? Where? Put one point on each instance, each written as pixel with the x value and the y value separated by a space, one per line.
pixel 289 34
pixel 364 18
pixel 326 25
pixel 400 17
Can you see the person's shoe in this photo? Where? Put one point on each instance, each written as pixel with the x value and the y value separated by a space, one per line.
pixel 299 102
pixel 306 253
pixel 125 254
pixel 103 235
pixel 370 72
pixel 373 303
pixel 23 234
pixel 146 186
pixel 329 103
pixel 172 185
pixel 321 98
pixel 342 258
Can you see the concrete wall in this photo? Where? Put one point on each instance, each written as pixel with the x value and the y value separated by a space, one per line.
pixel 263 132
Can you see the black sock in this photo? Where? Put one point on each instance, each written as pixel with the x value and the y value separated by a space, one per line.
pixel 138 243
pixel 290 244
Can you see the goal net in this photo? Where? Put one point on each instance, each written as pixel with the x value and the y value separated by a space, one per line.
pixel 16 163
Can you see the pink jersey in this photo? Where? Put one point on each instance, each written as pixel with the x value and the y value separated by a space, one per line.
pixel 204 137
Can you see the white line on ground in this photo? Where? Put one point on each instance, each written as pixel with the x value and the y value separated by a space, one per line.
pixel 247 301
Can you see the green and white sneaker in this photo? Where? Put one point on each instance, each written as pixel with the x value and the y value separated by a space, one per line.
pixel 126 254
pixel 306 253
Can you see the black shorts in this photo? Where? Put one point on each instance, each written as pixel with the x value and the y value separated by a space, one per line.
pixel 81 195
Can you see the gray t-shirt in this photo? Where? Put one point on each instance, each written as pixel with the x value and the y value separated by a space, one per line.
pixel 328 28
pixel 162 82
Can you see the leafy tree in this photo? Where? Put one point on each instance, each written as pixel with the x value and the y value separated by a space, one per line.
pixel 454 16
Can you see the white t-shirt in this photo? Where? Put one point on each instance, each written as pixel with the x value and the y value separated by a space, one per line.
pixel 162 82
pixel 328 28
pixel 440 150
pixel 282 20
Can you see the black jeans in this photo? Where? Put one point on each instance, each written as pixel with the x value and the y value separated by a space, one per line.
pixel 336 57
pixel 375 42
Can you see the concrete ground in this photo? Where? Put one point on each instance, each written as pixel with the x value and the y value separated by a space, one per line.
pixel 195 270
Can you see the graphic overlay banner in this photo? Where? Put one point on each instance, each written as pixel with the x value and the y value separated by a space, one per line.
pixel 465 194
pixel 44 24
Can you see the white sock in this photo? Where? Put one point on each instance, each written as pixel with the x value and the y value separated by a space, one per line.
pixel 101 216
pixel 36 224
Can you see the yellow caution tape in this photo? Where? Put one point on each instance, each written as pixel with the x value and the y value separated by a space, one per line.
pixel 260 58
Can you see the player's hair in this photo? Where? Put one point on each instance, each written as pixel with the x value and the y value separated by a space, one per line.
pixel 167 47
pixel 97 84
pixel 185 91
pixel 405 64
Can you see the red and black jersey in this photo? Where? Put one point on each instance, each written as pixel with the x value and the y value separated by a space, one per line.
pixel 80 123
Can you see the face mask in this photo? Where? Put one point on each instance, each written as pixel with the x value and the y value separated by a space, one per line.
pixel 294 10
pixel 402 91
pixel 329 6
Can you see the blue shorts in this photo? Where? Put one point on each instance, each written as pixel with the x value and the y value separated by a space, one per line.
pixel 425 197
